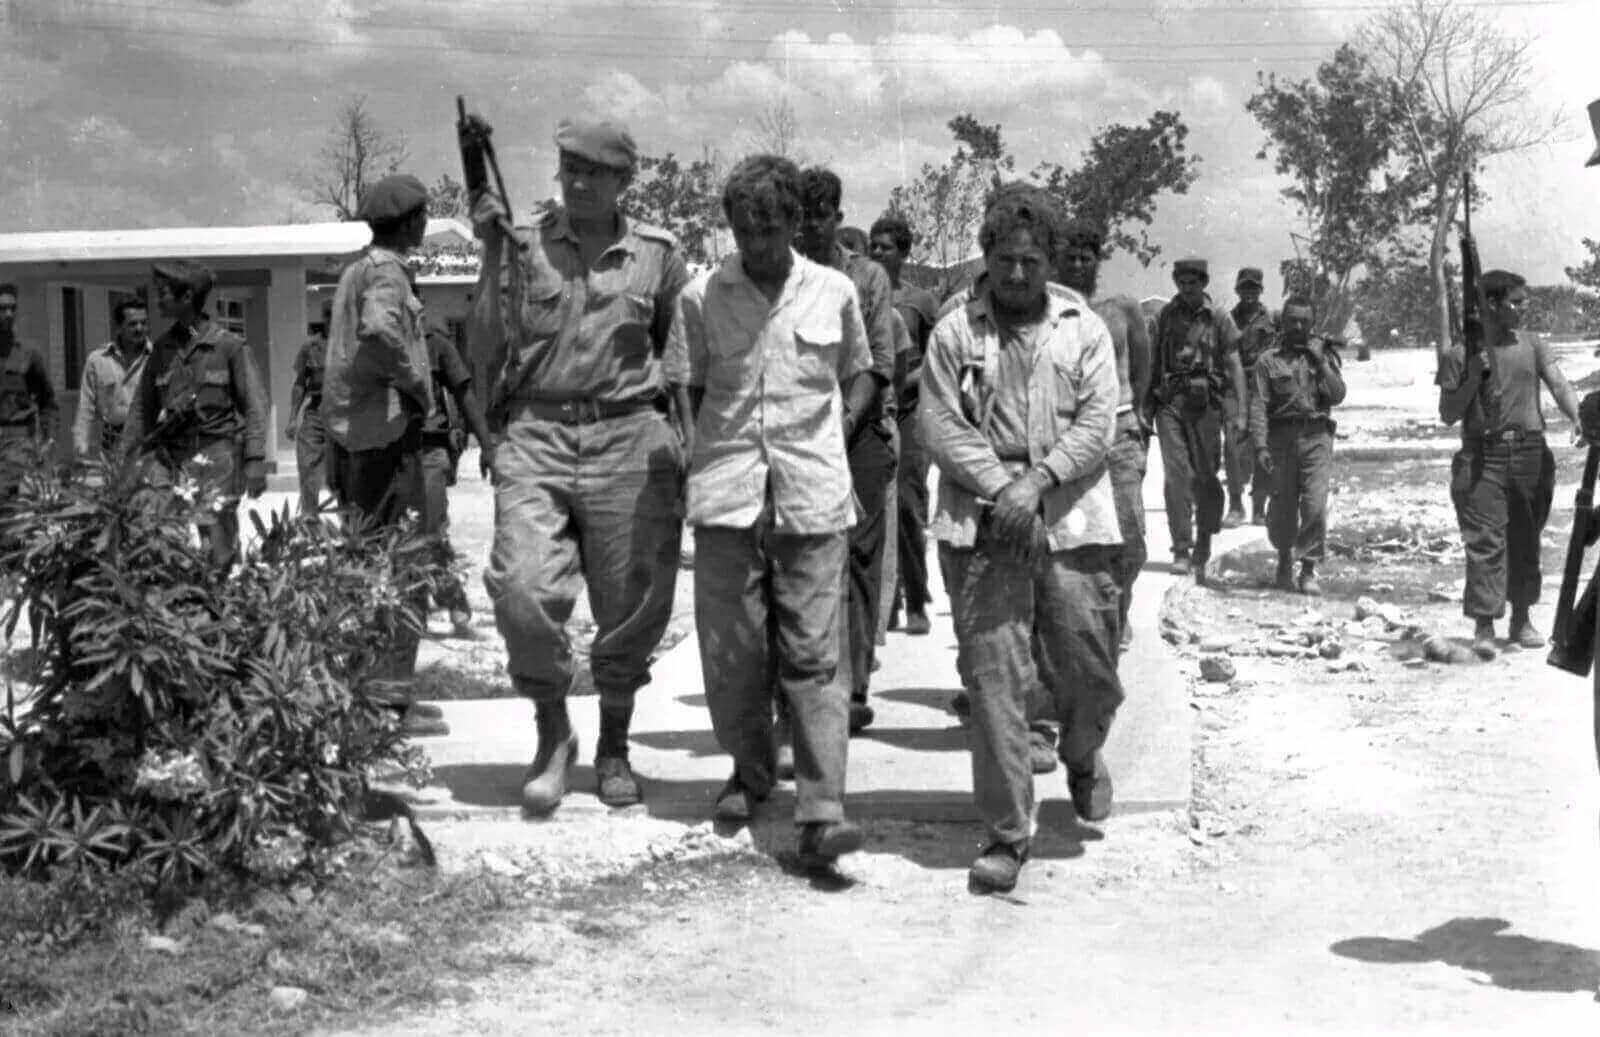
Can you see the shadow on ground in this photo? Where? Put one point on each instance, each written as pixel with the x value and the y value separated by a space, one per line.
pixel 1482 945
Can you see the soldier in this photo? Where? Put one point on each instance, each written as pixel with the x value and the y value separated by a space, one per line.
pixel 589 474
pixel 1503 477
pixel 1196 363
pixel 890 246
pixel 376 397
pixel 1019 398
pixel 1078 267
pixel 769 355
pixel 871 442
pixel 110 376
pixel 200 410
pixel 1256 335
pixel 456 411
pixel 305 426
pixel 1297 384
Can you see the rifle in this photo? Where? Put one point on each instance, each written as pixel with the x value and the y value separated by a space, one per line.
pixel 1472 336
pixel 1572 635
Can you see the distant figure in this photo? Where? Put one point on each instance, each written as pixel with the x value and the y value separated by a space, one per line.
pixel 1257 333
pixel 306 427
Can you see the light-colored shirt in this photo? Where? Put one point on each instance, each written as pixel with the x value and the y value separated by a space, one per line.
pixel 1071 401
pixel 1287 386
pixel 770 424
pixel 375 382
pixel 1510 397
pixel 104 397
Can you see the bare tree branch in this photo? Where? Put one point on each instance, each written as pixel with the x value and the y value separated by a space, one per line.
pixel 357 152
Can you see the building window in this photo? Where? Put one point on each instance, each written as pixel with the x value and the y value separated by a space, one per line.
pixel 72 351
pixel 229 312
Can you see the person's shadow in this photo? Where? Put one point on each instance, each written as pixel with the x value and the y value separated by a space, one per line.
pixel 1482 945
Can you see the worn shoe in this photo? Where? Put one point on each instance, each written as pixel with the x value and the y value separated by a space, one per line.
pixel 1091 790
pixel 961 706
pixel 616 785
pixel 1234 518
pixel 461 623
pixel 1042 751
pixel 1309 585
pixel 1180 558
pixel 1524 635
pixel 1483 645
pixel 735 803
pixel 417 725
pixel 917 624
pixel 823 842
pixel 997 868
pixel 548 777
pixel 783 749
pixel 861 717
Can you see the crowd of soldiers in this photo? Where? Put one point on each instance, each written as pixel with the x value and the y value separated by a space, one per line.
pixel 782 405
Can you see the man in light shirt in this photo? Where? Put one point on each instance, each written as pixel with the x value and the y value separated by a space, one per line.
pixel 110 376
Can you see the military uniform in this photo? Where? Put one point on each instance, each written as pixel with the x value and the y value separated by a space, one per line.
pixel 1290 403
pixel 1257 334
pixel 27 406
pixel 311 434
pixel 1192 349
pixel 200 413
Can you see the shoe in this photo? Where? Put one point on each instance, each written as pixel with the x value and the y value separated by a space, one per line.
pixel 1091 790
pixel 1234 518
pixel 1483 645
pixel 416 725
pixel 1180 558
pixel 1308 583
pixel 997 868
pixel 917 624
pixel 823 842
pixel 735 803
pixel 1523 635
pixel 783 750
pixel 549 776
pixel 1041 751
pixel 616 785
pixel 961 706
pixel 461 623
pixel 861 717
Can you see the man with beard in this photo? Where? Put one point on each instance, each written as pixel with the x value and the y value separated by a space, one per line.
pixel 1256 335
pixel 1078 267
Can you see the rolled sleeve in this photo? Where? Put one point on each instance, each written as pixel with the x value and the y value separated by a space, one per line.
pixel 952 442
pixel 1083 445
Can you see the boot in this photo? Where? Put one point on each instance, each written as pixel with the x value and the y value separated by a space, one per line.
pixel 1285 578
pixel 1308 579
pixel 1483 639
pixel 1523 633
pixel 545 783
pixel 617 787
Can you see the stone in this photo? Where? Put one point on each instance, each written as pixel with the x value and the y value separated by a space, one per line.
pixel 224 921
pixel 1365 607
pixel 495 864
pixel 1287 651
pixel 1331 648
pixel 1217 643
pixel 287 999
pixel 1217 668
pixel 163 945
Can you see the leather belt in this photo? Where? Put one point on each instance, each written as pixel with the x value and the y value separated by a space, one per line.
pixel 1506 435
pixel 1297 422
pixel 584 411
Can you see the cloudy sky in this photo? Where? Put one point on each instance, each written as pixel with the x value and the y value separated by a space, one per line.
pixel 137 113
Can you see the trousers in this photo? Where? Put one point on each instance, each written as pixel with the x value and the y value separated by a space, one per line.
pixel 1502 493
pixel 912 541
pixel 311 457
pixel 872 466
pixel 1191 452
pixel 438 467
pixel 1127 462
pixel 1302 467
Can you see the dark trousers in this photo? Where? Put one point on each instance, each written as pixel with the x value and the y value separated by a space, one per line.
pixel 1127 462
pixel 768 603
pixel 376 488
pixel 872 468
pixel 1302 467
pixel 1502 493
pixel 1018 627
pixel 311 457
pixel 1191 452
pixel 912 483
pixel 438 472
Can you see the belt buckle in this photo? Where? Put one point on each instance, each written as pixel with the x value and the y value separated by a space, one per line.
pixel 581 412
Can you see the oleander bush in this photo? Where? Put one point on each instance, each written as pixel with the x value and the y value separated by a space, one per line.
pixel 181 723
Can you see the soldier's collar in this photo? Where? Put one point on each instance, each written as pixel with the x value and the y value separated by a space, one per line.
pixel 560 225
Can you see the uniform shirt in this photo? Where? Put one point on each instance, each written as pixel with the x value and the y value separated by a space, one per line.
pixel 919 310
pixel 26 396
pixel 104 396
pixel 310 365
pixel 1070 401
pixel 1257 332
pixel 771 421
pixel 1192 339
pixel 594 334
pixel 206 370
pixel 450 375
pixel 375 381
pixel 1515 371
pixel 1285 386
pixel 877 313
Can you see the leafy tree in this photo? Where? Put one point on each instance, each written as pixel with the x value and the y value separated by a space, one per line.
pixel 1587 273
pixel 357 152
pixel 447 197
pixel 1561 309
pixel 1392 302
pixel 1337 138
pixel 684 199
pixel 944 204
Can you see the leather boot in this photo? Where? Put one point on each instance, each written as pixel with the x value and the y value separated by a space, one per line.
pixel 617 786
pixel 549 776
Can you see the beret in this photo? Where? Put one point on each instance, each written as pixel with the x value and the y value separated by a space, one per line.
pixel 180 271
pixel 1248 275
pixel 605 143
pixel 1190 266
pixel 392 198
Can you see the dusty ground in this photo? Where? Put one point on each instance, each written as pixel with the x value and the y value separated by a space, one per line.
pixel 1376 843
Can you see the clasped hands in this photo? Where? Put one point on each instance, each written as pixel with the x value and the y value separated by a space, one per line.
pixel 1014 518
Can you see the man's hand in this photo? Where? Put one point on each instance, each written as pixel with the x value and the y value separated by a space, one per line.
pixel 488 216
pixel 255 478
pixel 1017 507
pixel 1264 460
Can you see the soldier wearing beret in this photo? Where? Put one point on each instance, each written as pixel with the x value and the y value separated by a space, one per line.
pixel 305 426
pixel 1502 479
pixel 1196 365
pixel 200 409
pixel 376 395
pixel 569 330
pixel 1297 384
pixel 1256 335
pixel 27 400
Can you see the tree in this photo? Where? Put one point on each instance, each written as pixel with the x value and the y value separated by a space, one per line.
pixel 447 198
pixel 777 131
pixel 944 205
pixel 1467 92
pixel 1124 171
pixel 1587 274
pixel 684 199
pixel 357 152
pixel 1392 303
pixel 1338 139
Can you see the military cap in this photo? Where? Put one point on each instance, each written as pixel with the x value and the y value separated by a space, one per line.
pixel 1594 124
pixel 182 272
pixel 1248 275
pixel 605 143
pixel 1499 282
pixel 1190 266
pixel 393 198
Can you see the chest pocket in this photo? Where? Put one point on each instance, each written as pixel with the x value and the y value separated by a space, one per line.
pixel 816 350
pixel 213 391
pixel 543 306
pixel 624 318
